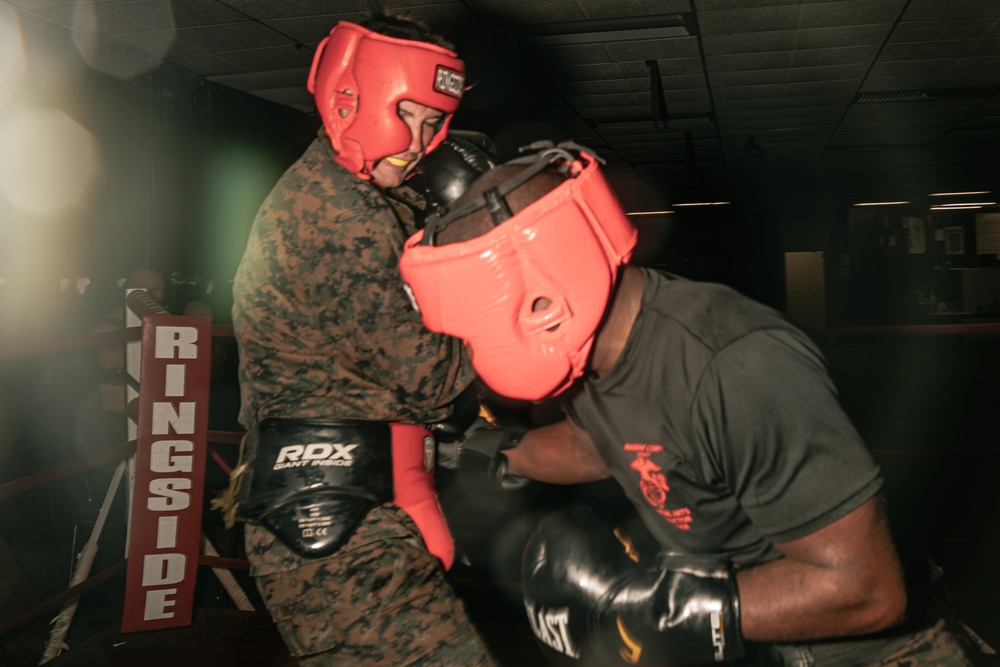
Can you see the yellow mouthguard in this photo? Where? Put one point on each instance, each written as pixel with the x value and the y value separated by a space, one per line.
pixel 397 162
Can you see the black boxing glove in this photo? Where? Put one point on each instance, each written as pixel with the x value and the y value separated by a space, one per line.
pixel 464 412
pixel 444 174
pixel 481 450
pixel 589 602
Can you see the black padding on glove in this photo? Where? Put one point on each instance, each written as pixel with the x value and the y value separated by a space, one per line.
pixel 464 412
pixel 481 451
pixel 589 603
pixel 445 173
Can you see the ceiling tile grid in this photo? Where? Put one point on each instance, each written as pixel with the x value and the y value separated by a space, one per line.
pixel 808 80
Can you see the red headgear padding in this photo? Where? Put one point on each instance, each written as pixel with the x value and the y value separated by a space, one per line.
pixel 566 247
pixel 359 77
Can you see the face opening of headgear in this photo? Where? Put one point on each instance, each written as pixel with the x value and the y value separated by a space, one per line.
pixel 359 77
pixel 528 295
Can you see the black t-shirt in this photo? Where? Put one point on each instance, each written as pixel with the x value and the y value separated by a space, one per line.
pixel 723 426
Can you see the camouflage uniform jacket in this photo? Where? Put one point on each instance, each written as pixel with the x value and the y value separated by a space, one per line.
pixel 324 325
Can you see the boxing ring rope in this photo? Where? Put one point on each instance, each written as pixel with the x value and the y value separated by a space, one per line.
pixel 137 304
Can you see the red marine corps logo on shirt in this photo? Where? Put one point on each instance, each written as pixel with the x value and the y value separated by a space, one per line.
pixel 653 484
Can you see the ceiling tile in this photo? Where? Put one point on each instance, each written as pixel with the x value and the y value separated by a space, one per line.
pixel 662 49
pixel 151 14
pixel 311 30
pixel 530 12
pixel 926 68
pixel 275 9
pixel 573 55
pixel 607 100
pixel 755 42
pixel 249 81
pixel 705 5
pixel 750 92
pixel 231 36
pixel 836 56
pixel 685 82
pixel 158 44
pixel 824 38
pixel 874 83
pixel 983 64
pixel 596 72
pixel 753 78
pixel 206 64
pixel 748 62
pixel 830 72
pixel 844 87
pixel 199 13
pixel 668 68
pixel 931 10
pixel 938 31
pixel 925 50
pixel 758 19
pixel 854 13
pixel 985 47
pixel 278 57
pixel 600 9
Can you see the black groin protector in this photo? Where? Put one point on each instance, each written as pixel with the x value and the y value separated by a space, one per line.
pixel 311 482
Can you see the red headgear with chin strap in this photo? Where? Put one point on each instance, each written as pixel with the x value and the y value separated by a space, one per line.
pixel 565 247
pixel 358 79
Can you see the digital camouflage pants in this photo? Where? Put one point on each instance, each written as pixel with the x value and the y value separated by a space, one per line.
pixel 381 600
pixel 933 647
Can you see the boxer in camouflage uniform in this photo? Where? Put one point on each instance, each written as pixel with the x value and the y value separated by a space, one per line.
pixel 326 332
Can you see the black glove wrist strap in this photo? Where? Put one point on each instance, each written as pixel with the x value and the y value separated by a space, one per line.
pixel 500 469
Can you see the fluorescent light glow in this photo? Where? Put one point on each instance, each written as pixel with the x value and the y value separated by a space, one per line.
pixel 955 208
pixel 705 203
pixel 881 203
pixel 650 213
pixel 958 194
pixel 962 204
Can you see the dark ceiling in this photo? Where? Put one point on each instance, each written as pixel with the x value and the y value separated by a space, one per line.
pixel 789 102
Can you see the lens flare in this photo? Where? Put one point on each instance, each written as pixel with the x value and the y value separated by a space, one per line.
pixel 125 55
pixel 12 58
pixel 47 160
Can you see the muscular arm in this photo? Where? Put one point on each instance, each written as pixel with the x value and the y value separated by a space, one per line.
pixel 844 579
pixel 561 453
pixel 792 457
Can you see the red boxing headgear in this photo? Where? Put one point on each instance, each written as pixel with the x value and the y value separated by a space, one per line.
pixel 359 77
pixel 566 247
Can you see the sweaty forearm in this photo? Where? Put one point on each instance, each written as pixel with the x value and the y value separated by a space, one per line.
pixel 843 580
pixel 555 454
pixel 787 601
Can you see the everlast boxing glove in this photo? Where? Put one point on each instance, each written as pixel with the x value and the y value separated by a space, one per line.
pixel 589 603
pixel 481 450
pixel 445 173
